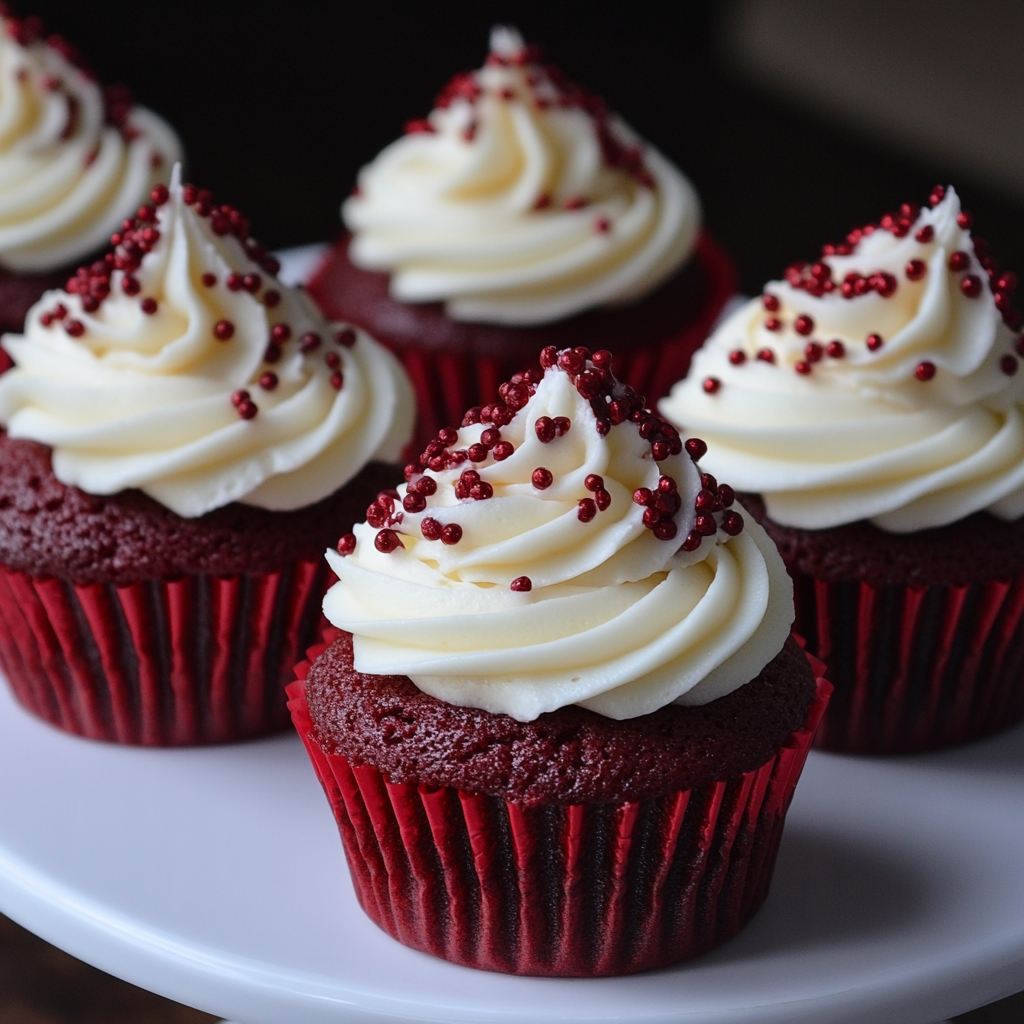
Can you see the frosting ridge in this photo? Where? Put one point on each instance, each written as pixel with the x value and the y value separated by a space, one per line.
pixel 74 161
pixel 179 365
pixel 521 200
pixel 879 383
pixel 562 548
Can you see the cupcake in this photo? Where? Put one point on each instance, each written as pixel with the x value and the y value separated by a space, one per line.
pixel 521 213
pixel 561 717
pixel 872 401
pixel 183 436
pixel 75 160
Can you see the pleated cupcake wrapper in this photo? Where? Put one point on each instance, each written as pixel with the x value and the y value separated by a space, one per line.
pixel 915 668
pixel 196 660
pixel 583 890
pixel 447 384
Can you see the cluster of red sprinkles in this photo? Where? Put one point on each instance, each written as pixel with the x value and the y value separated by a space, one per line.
pixel 816 279
pixel 612 402
pixel 543 86
pixel 139 235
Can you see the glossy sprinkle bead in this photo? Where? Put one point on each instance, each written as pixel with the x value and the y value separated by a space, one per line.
pixel 451 534
pixel 711 385
pixel 732 523
pixel 502 450
pixel 874 342
pixel 594 482
pixel 268 380
pixel 148 305
pixel 666 529
pixel 521 585
pixel 247 409
pixel 971 286
pixel 926 234
pixel 958 261
pixel 925 370
pixel 586 510
pixel 209 280
pixel 1008 364
pixel 737 357
pixel 696 448
pixel 386 541
pixel 431 529
pixel 223 330
pixel 75 328
pixel 813 352
pixel 542 478
pixel 803 325
pixel 347 544
pixel 545 427
pixel 802 367
pixel 915 270
pixel 771 303
pixel 766 355
pixel 773 323
pixel 835 349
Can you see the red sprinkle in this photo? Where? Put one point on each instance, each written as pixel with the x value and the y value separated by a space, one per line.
pixel 813 352
pixel 386 541
pixel 803 367
pixel 926 234
pixel 347 544
pixel 695 448
pixel 346 336
pixel 836 349
pixel 451 534
pixel 771 303
pixel 971 286
pixel 737 357
pixel 268 380
pixel 247 409
pixel 431 529
pixel 271 298
pixel 223 330
pixel 773 323
pixel 542 478
pixel 915 270
pixel 766 355
pixel 1008 364
pixel 586 510
pixel 874 342
pixel 958 261
pixel 208 279
pixel 594 482
pixel 925 370
pixel 149 305
pixel 159 195
pixel 803 324
pixel 502 450
pixel 521 585
pixel 75 328
pixel 711 385
pixel 732 523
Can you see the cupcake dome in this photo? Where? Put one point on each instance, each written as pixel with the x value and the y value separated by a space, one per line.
pixel 873 401
pixel 521 213
pixel 200 433
pixel 560 645
pixel 75 160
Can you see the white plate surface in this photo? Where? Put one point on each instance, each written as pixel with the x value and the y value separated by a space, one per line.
pixel 216 877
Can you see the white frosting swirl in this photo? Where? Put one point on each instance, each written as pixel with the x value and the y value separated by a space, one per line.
pixel 128 398
pixel 917 431
pixel 68 177
pixel 520 201
pixel 617 620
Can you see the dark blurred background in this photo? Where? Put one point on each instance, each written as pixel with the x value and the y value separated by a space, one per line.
pixel 795 119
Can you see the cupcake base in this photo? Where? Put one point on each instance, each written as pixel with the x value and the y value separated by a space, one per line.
pixel 580 890
pixel 922 634
pixel 456 365
pixel 18 294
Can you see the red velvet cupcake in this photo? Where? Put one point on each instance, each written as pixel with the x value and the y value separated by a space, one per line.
pixel 184 436
pixel 520 214
pixel 874 403
pixel 75 160
pixel 562 719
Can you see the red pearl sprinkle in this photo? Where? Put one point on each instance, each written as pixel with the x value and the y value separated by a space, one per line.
pixel 803 324
pixel 575 203
pixel 965 219
pixel 386 541
pixel 766 355
pixel 414 501
pixel 915 270
pixel 643 496
pixel 594 482
pixel 75 328
pixel 586 510
pixel 491 436
pixel 1008 364
pixel 431 529
pixel 926 234
pixel 835 349
pixel 130 285
pixel 813 352
pixel 268 381
pixel 333 360
pixel 737 357
pixel 602 498
pixel 234 282
pixel 958 261
pixel 773 323
pixel 542 478
pixel 451 534
pixel 272 353
pixel 521 585
pixel 874 342
pixel 732 523
pixel 502 450
pixel 771 303
pixel 925 370
pixel 337 380
pixel 271 298
pixel 247 409
pixel 545 428
pixel 209 280
pixel 602 359
pixel 310 342
pixel 223 330
pixel 802 367
pixel 239 397
pixel 148 305
pixel 346 336
pixel 970 285
pixel 562 425
pixel 711 385
pixel 666 529
pixel 937 195
pixel 695 448
pixel 602 225
pixel 159 195
pixel 692 542
pixel 705 525
pixel 251 283
pixel 347 544
pixel 280 333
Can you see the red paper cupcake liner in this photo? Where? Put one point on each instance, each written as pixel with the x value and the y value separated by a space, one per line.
pixel 579 891
pixel 915 667
pixel 195 660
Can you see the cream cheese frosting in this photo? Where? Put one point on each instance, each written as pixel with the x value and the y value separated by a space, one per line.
pixel 562 548
pixel 880 383
pixel 520 200
pixel 179 365
pixel 73 162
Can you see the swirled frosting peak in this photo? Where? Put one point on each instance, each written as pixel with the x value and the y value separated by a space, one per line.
pixel 179 364
pixel 562 548
pixel 881 382
pixel 75 160
pixel 520 200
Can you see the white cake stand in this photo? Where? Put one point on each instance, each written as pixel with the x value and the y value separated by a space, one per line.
pixel 216 877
